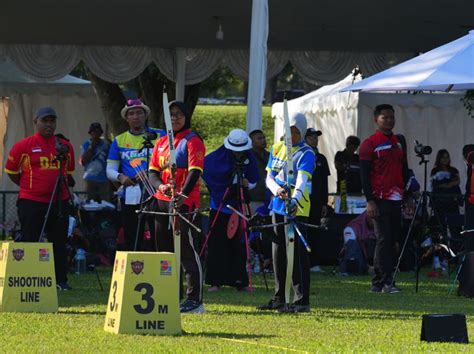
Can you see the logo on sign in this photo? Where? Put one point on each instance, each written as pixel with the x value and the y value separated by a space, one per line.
pixel 44 255
pixel 166 268
pixel 137 266
pixel 122 266
pixel 18 253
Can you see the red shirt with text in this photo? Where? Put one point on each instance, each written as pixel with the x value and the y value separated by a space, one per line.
pixel 195 150
pixel 386 155
pixel 34 159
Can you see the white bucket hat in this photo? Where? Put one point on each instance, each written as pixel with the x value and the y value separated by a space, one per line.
pixel 134 104
pixel 237 140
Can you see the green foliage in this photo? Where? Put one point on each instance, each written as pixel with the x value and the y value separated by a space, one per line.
pixel 345 317
pixel 222 83
pixel 468 102
pixel 214 123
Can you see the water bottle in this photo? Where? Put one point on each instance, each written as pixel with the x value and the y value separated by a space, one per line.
pixel 80 261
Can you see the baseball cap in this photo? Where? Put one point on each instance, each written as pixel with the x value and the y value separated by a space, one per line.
pixel 45 112
pixel 95 126
pixel 312 131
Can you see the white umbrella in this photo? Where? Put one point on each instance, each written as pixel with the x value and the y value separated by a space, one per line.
pixel 446 68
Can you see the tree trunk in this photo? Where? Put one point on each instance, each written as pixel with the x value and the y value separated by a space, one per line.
pixel 191 97
pixel 151 84
pixel 271 89
pixel 111 100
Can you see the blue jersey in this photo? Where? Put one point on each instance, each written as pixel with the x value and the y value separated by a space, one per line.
pixel 303 162
pixel 126 147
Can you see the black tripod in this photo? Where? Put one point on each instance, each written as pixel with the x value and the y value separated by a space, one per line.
pixel 421 203
pixel 60 183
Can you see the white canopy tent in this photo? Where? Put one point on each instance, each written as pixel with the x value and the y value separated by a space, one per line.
pixel 439 120
pixel 446 68
pixel 72 98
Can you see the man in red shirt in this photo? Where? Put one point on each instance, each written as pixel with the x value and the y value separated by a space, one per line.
pixel 384 173
pixel 34 165
pixel 190 153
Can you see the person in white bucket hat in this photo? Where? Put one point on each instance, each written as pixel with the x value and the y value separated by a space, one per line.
pixel 229 172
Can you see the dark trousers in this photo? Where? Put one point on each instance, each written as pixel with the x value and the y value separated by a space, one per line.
pixel 301 275
pixel 226 258
pixel 190 261
pixel 387 228
pixel 469 216
pixel 31 215
pixel 130 224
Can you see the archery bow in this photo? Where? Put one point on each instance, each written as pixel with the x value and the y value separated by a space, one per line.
pixel 172 166
pixel 289 228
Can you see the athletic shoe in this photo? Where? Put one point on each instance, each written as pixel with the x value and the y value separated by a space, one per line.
pixel 191 306
pixel 317 269
pixel 271 305
pixel 294 308
pixel 214 289
pixel 63 286
pixel 375 289
pixel 387 289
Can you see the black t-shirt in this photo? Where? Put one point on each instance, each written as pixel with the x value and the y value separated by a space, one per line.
pixel 351 172
pixel 445 197
pixel 319 181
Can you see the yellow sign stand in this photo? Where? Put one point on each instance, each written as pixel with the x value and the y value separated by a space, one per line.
pixel 27 279
pixel 144 297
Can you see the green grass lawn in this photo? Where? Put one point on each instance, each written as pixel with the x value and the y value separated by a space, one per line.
pixel 345 317
pixel 214 123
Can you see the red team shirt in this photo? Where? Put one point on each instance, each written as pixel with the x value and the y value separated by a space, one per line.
pixel 387 156
pixel 195 160
pixel 33 158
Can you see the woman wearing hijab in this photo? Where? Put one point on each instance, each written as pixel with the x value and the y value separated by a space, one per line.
pixel 190 153
pixel 303 167
pixel 230 167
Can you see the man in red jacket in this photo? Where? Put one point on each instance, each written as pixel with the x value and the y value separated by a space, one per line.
pixel 34 164
pixel 384 174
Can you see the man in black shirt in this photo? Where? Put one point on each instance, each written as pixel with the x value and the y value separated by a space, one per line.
pixel 347 166
pixel 319 192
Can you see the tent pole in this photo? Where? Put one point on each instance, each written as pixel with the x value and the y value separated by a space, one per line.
pixel 258 64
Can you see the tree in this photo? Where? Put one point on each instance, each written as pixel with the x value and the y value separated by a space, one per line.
pixel 149 87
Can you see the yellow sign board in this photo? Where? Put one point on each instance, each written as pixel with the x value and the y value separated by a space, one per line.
pixel 27 279
pixel 144 296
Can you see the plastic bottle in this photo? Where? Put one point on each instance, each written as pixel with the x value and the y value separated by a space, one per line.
pixel 80 261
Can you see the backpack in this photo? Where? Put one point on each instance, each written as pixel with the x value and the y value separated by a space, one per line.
pixel 352 261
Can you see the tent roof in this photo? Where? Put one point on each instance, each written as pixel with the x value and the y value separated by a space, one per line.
pixel 385 25
pixel 12 80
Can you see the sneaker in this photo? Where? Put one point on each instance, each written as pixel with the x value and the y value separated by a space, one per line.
pixel 375 289
pixel 317 269
pixel 271 305
pixel 63 286
pixel 294 308
pixel 191 306
pixel 387 289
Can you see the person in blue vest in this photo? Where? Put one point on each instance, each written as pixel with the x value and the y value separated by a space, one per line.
pixel 125 148
pixel 303 167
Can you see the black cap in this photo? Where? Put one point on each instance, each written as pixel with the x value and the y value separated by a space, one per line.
pixel 312 131
pixel 95 126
